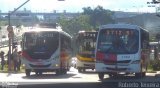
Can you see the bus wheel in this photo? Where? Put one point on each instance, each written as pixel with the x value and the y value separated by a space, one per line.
pixel 27 71
pixel 139 75
pixel 110 75
pixel 84 69
pixel 64 71
pixel 75 66
pixel 79 70
pixel 38 73
pixel 68 69
pixel 113 75
pixel 143 74
pixel 101 76
pixel 58 72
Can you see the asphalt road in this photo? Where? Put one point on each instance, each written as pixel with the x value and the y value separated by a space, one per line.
pixel 73 79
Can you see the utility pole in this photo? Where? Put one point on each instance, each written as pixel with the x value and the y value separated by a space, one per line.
pixel 1 36
pixel 11 33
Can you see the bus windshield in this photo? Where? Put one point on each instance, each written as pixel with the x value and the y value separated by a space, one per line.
pixel 41 44
pixel 86 43
pixel 118 41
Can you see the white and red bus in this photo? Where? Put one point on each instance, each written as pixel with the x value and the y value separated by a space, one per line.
pixel 122 48
pixel 46 49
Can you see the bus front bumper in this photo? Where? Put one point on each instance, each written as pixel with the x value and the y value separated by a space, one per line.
pixel 130 68
pixel 85 64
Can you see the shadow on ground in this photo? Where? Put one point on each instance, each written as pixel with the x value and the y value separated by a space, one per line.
pixel 132 78
pixel 48 76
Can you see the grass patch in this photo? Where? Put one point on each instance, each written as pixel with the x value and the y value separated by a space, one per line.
pixel 5 69
pixel 150 69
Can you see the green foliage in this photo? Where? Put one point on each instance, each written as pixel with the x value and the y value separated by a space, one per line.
pixel 76 24
pixel 155 65
pixel 157 36
pixel 98 16
pixel 3 23
pixel 89 20
pixel 5 70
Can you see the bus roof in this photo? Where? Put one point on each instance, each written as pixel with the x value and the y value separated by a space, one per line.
pixel 87 31
pixel 47 30
pixel 127 26
pixel 42 29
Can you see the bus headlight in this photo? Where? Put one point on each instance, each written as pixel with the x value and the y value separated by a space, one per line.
pixel 56 65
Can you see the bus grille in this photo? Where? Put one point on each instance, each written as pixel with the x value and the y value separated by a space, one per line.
pixel 116 69
pixel 89 65
pixel 39 65
pixel 40 56
pixel 109 62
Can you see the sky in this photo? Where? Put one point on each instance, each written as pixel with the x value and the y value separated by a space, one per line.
pixel 77 5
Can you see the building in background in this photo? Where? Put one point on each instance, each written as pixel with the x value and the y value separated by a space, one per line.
pixel 28 18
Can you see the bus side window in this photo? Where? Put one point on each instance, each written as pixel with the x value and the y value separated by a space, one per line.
pixel 62 42
pixel 65 42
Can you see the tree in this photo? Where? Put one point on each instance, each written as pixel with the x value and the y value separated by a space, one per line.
pixel 158 36
pixel 3 23
pixel 98 16
pixel 89 20
pixel 76 24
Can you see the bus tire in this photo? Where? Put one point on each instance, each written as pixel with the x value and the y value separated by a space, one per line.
pixel 58 72
pixel 28 72
pixel 83 69
pixel 139 75
pixel 143 74
pixel 68 69
pixel 110 75
pixel 113 75
pixel 75 66
pixel 62 71
pixel 79 70
pixel 101 76
pixel 38 72
pixel 65 71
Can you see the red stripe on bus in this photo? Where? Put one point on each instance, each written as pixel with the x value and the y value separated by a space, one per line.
pixel 24 54
pixel 113 57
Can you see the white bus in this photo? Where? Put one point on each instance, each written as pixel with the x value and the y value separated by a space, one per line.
pixel 45 49
pixel 122 48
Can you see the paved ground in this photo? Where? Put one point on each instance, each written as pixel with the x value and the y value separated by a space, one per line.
pixel 73 79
